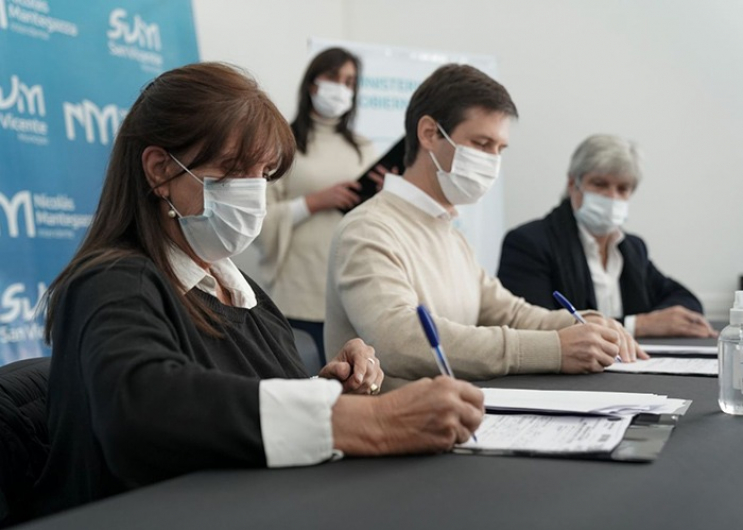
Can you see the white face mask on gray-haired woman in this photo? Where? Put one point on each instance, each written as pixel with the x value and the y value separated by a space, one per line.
pixel 473 173
pixel 234 209
pixel 602 215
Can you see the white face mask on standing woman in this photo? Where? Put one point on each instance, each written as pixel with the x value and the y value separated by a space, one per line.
pixel 473 173
pixel 332 100
pixel 234 209
pixel 602 215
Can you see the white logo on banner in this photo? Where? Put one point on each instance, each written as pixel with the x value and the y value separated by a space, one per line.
pixel 31 18
pixel 44 216
pixel 14 304
pixel 28 100
pixel 17 306
pixel 135 40
pixel 21 201
pixel 22 96
pixel 92 118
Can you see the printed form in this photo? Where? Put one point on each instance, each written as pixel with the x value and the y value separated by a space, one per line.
pixel 549 435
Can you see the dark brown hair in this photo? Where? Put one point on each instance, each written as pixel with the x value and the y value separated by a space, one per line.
pixel 446 96
pixel 326 62
pixel 199 106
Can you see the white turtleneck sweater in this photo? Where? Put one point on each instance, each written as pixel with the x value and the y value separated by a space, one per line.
pixel 294 245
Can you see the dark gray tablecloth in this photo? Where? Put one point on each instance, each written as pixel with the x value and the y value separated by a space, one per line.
pixel 696 483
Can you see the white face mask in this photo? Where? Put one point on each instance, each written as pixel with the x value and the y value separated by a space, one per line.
pixel 602 215
pixel 473 173
pixel 332 100
pixel 234 209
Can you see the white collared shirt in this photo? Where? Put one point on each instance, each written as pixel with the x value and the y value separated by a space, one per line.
pixel 296 414
pixel 415 196
pixel 229 276
pixel 606 280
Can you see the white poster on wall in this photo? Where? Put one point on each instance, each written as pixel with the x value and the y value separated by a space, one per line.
pixel 389 76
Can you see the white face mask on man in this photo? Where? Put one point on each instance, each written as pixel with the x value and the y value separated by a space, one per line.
pixel 233 214
pixel 332 100
pixel 473 173
pixel 601 215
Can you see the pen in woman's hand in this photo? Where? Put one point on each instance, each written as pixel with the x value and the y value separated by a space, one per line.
pixel 432 334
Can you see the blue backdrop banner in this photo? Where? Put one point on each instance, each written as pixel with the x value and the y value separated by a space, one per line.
pixel 69 70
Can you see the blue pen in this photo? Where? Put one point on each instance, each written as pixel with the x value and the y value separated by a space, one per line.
pixel 564 302
pixel 432 334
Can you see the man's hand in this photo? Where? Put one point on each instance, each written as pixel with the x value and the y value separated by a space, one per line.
pixel 629 350
pixel 588 348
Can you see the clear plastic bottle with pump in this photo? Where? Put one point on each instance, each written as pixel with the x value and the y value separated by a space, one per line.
pixel 730 357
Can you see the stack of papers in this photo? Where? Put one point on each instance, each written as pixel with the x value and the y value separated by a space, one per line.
pixel 674 359
pixel 582 403
pixel 668 365
pixel 670 349
pixel 564 423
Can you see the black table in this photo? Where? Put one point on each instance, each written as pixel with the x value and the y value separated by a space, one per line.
pixel 681 342
pixel 695 483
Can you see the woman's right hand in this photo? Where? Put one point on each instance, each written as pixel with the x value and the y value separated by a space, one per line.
pixel 426 416
pixel 341 195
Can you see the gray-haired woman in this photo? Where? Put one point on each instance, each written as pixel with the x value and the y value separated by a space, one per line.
pixel 580 249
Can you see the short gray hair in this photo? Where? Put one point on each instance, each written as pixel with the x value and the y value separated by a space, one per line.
pixel 606 154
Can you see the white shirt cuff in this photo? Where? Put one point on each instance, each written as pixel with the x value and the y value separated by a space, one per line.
pixel 296 420
pixel 629 324
pixel 300 211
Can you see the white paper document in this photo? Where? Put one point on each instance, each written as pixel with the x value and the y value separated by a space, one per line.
pixel 553 435
pixel 565 401
pixel 668 365
pixel 670 349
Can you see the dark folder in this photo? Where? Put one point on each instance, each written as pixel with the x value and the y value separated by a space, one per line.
pixel 393 158
pixel 642 441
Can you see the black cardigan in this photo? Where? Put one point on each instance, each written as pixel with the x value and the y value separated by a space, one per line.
pixel 138 394
pixel 546 255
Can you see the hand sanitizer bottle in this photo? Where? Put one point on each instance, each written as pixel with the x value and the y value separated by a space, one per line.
pixel 730 357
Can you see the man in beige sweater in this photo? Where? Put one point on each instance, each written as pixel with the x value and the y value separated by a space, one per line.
pixel 399 250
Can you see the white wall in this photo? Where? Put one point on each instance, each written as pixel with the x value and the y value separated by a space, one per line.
pixel 666 73
pixel 268 37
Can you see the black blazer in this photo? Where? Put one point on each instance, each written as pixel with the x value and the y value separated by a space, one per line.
pixel 546 255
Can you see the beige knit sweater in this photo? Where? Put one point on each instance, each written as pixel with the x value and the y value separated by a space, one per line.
pixel 387 257
pixel 294 258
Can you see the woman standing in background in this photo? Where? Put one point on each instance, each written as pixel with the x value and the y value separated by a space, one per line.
pixel 303 207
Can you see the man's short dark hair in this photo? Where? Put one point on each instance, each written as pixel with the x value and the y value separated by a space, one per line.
pixel 446 95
